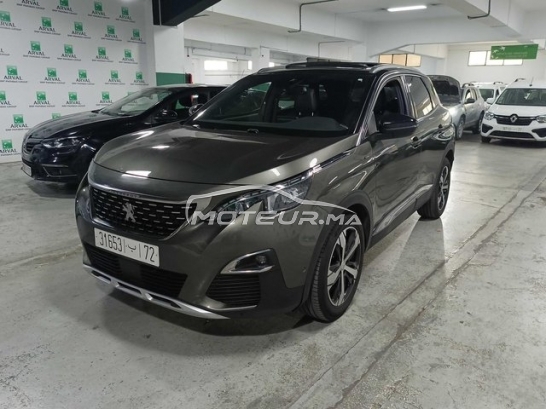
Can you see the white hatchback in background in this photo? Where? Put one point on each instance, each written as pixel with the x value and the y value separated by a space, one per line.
pixel 518 114
pixel 490 91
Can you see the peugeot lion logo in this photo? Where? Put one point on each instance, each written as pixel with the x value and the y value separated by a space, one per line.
pixel 129 210
pixel 514 118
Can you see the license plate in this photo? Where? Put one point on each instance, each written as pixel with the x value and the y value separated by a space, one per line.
pixel 27 169
pixel 137 250
pixel 512 128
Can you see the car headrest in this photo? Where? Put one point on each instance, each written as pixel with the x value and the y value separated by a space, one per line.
pixel 306 102
pixel 185 101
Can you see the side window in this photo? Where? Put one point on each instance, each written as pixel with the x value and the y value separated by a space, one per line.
pixel 389 101
pixel 420 96
pixel 467 95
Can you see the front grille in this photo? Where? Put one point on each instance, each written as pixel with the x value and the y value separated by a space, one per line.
pixel 521 121
pixel 150 218
pixel 140 275
pixel 515 135
pixel 30 144
pixel 236 290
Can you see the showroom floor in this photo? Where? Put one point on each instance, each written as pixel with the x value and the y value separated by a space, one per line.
pixel 450 313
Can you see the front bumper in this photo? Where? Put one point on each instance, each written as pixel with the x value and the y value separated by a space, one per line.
pixel 191 279
pixel 57 166
pixel 533 132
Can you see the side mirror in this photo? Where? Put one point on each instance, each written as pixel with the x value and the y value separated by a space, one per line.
pixel 165 115
pixel 490 101
pixel 195 108
pixel 398 125
pixel 470 101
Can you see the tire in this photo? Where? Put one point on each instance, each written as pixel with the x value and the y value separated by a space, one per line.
pixel 460 129
pixel 326 303
pixel 436 205
pixel 478 128
pixel 486 139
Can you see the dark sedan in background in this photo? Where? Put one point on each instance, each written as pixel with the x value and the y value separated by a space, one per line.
pixel 60 150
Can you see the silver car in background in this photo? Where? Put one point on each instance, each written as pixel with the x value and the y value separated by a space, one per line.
pixel 466 105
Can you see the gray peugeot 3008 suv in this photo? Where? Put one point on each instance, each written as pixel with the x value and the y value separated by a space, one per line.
pixel 266 199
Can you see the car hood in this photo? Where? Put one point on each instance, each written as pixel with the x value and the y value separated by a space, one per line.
pixel 507 110
pixel 72 123
pixel 182 154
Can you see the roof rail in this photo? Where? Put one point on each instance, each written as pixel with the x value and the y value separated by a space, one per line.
pixel 332 63
pixel 520 79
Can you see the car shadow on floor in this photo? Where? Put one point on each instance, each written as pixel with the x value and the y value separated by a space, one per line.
pixel 52 189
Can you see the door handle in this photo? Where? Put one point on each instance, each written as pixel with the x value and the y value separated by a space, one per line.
pixel 415 139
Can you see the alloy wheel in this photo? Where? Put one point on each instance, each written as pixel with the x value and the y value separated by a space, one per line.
pixel 443 189
pixel 344 266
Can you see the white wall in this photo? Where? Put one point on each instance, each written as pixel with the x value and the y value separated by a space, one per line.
pixel 457 66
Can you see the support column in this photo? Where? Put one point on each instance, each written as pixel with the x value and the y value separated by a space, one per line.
pixel 170 58
pixel 260 58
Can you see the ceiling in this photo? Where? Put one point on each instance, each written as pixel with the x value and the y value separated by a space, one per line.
pixel 375 10
pixel 532 5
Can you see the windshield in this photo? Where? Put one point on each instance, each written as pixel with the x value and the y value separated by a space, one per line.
pixel 325 103
pixel 448 93
pixel 531 97
pixel 487 93
pixel 136 103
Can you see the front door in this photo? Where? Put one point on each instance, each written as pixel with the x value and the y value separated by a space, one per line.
pixel 396 158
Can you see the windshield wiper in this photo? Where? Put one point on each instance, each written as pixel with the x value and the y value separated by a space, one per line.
pixel 253 130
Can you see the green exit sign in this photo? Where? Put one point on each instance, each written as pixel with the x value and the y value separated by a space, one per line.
pixel 514 52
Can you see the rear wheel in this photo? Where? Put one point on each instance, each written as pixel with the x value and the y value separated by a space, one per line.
pixel 478 128
pixel 337 273
pixel 486 139
pixel 436 205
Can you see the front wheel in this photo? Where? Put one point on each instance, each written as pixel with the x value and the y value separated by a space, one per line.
pixel 478 128
pixel 486 139
pixel 437 203
pixel 337 273
pixel 460 129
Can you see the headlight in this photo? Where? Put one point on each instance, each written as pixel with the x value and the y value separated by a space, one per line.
pixel 489 116
pixel 278 198
pixel 541 119
pixel 69 142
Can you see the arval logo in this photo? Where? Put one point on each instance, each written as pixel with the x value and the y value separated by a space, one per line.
pixel 82 77
pixel 139 78
pixel 46 26
pixel 7 147
pixel 105 98
pixel 18 122
pixel 12 74
pixel 125 16
pixel 68 53
pixel 136 36
pixel 128 56
pixel 514 118
pixel 5 21
pixel 111 33
pixel 98 10
pixel 30 3
pixel 41 99
pixel 78 30
pixel 64 6
pixel 35 50
pixel 101 54
pixel 129 210
pixel 4 101
pixel 114 77
pixel 73 99
pixel 52 75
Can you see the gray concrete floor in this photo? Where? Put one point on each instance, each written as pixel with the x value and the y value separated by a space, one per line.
pixel 449 314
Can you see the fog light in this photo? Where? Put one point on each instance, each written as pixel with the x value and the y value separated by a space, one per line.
pixel 261 260
pixel 86 260
pixel 253 263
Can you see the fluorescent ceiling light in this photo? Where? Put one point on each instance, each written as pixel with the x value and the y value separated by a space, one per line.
pixel 408 8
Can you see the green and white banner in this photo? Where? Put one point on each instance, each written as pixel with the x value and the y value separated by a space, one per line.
pixel 59 57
